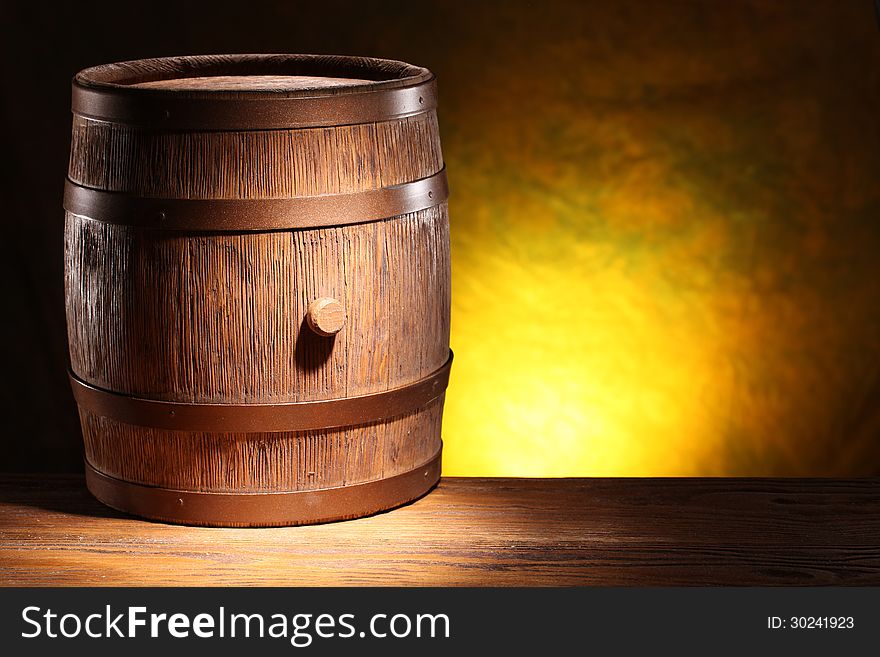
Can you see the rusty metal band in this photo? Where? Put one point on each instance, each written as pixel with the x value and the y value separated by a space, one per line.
pixel 248 418
pixel 263 509
pixel 236 215
pixel 172 111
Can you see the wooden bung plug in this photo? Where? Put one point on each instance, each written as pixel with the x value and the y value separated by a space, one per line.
pixel 326 316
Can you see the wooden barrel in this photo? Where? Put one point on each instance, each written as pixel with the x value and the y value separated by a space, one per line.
pixel 257 286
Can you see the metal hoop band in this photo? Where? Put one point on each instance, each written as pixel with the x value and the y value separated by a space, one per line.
pixel 175 111
pixel 248 418
pixel 263 509
pixel 237 215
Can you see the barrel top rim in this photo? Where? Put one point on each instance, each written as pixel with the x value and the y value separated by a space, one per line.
pixel 124 77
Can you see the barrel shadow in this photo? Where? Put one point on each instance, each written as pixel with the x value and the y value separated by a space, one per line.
pixel 56 493
pixel 312 350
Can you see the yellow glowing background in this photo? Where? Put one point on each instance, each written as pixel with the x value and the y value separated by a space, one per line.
pixel 666 253
pixel 665 221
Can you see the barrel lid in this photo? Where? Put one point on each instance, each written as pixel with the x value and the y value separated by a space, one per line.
pixel 252 92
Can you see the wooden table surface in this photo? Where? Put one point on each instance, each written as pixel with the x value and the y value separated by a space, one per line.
pixel 480 532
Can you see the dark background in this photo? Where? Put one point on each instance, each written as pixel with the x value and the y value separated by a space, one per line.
pixel 747 130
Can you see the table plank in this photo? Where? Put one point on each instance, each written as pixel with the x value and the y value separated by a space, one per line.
pixel 473 532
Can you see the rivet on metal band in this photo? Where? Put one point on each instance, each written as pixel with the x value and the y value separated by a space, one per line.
pixel 172 111
pixel 251 418
pixel 264 509
pixel 236 215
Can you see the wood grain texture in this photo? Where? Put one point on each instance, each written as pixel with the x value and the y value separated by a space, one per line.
pixel 253 164
pixel 221 317
pixel 471 532
pixel 262 462
pixel 252 82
